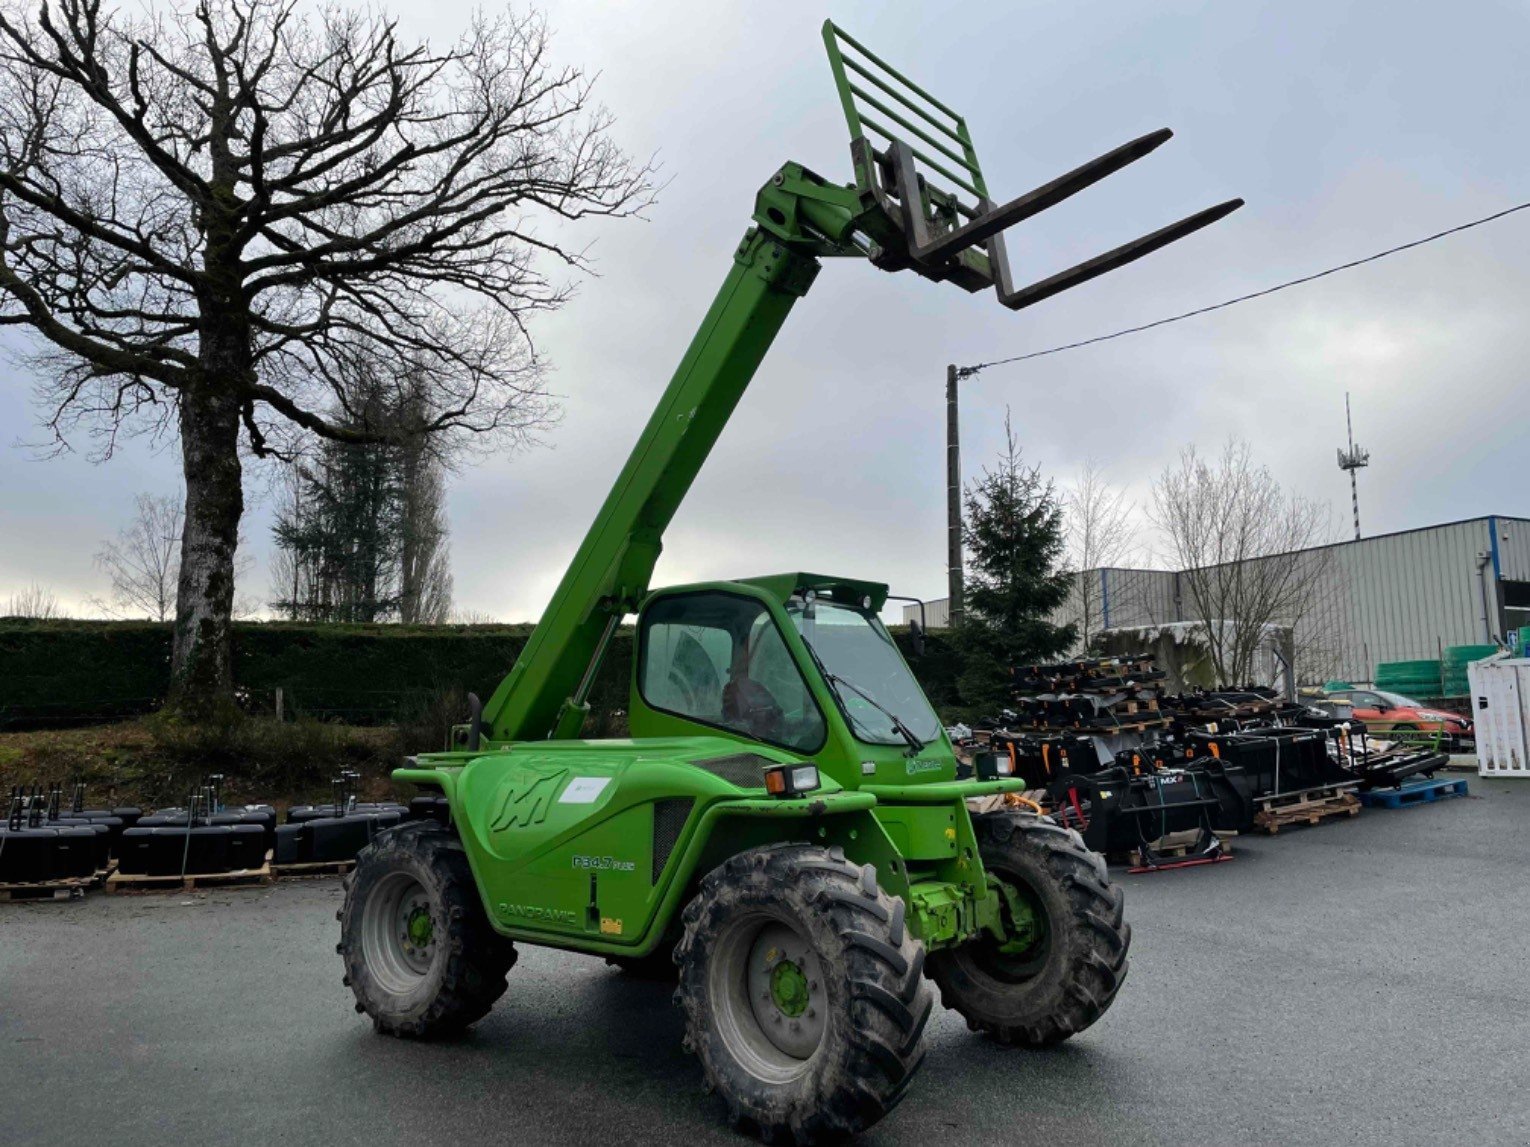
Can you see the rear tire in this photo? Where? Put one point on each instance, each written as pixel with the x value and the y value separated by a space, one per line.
pixel 803 992
pixel 1070 975
pixel 419 953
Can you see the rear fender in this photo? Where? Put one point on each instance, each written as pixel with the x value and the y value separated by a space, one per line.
pixel 608 875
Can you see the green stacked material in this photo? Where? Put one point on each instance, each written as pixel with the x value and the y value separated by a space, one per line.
pixel 1335 686
pixel 1457 658
pixel 1524 641
pixel 1410 678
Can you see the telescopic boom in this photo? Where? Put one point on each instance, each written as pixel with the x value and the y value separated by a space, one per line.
pixel 897 216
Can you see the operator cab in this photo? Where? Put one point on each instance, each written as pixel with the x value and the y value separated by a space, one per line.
pixel 792 661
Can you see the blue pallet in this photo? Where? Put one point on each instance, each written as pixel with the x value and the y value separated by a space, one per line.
pixel 1414 793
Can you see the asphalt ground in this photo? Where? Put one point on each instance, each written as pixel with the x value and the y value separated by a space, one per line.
pixel 1365 981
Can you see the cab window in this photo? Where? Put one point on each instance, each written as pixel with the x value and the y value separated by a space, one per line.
pixel 718 658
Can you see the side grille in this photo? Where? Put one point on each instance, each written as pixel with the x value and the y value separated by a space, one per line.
pixel 669 817
pixel 746 770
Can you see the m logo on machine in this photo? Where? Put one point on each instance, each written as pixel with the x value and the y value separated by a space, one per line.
pixel 527 795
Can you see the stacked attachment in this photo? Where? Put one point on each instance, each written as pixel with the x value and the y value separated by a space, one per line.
pixel 203 840
pixel 38 847
pixel 1102 749
pixel 915 160
pixel 319 836
pixel 1099 696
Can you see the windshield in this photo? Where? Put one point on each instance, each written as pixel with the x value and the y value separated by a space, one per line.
pixel 856 648
pixel 1397 700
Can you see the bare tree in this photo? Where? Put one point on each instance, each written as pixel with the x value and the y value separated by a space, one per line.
pixel 1246 551
pixel 425 575
pixel 216 216
pixel 473 617
pixel 144 561
pixel 36 601
pixel 1101 532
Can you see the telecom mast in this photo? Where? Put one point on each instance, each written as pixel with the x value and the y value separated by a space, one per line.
pixel 1351 460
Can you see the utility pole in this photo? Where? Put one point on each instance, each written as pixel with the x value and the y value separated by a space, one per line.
pixel 953 499
pixel 1351 460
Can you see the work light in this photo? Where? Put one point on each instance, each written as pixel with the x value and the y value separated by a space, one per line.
pixel 791 780
pixel 994 766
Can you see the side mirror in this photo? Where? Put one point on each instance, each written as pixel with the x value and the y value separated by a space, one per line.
pixel 915 627
pixel 1382 707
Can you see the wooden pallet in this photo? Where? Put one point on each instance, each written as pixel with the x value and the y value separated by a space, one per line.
pixel 312 868
pixel 1175 846
pixel 240 878
pixel 1414 793
pixel 1272 817
pixel 71 888
pixel 1298 796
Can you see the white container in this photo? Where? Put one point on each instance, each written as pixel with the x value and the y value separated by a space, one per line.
pixel 1500 688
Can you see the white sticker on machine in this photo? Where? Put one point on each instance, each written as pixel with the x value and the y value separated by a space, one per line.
pixel 584 790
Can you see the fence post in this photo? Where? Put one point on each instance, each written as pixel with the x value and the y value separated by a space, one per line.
pixel 279 717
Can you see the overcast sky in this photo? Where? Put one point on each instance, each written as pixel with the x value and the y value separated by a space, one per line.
pixel 1347 127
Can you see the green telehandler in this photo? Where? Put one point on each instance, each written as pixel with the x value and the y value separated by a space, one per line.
pixel 787 827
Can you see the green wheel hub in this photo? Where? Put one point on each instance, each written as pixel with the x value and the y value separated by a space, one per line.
pixel 419 930
pixel 1027 922
pixel 789 988
pixel 1027 942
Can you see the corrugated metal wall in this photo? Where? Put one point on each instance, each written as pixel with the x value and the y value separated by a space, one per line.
pixel 1402 597
pixel 937 613
pixel 1112 598
pixel 1513 548
pixel 1396 597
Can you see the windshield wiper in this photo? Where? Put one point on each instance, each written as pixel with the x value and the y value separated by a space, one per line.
pixel 835 680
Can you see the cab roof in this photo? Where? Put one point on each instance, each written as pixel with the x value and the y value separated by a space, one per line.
pixel 843 589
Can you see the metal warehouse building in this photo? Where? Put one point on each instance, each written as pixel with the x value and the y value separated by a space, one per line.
pixel 1393 597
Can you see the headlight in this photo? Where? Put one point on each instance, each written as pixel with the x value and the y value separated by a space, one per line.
pixel 791 780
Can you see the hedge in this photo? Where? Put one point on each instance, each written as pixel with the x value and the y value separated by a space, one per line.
pixel 72 672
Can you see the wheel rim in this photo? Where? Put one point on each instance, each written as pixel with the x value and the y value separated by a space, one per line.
pixel 769 997
pixel 1025 954
pixel 398 933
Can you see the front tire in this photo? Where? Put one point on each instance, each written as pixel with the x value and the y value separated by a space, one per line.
pixel 420 955
pixel 1068 971
pixel 803 992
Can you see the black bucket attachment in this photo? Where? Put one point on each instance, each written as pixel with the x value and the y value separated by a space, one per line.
pixel 1118 812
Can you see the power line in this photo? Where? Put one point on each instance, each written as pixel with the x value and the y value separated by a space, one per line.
pixel 967 371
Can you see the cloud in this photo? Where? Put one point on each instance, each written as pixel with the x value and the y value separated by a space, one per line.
pixel 1347 128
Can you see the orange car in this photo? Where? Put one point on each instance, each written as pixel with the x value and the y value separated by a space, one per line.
pixel 1401 718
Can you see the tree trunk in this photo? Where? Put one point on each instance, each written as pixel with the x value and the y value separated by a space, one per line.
pixel 202 661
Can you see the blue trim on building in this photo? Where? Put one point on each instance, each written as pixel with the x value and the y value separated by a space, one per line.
pixel 1493 543
pixel 1105 599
